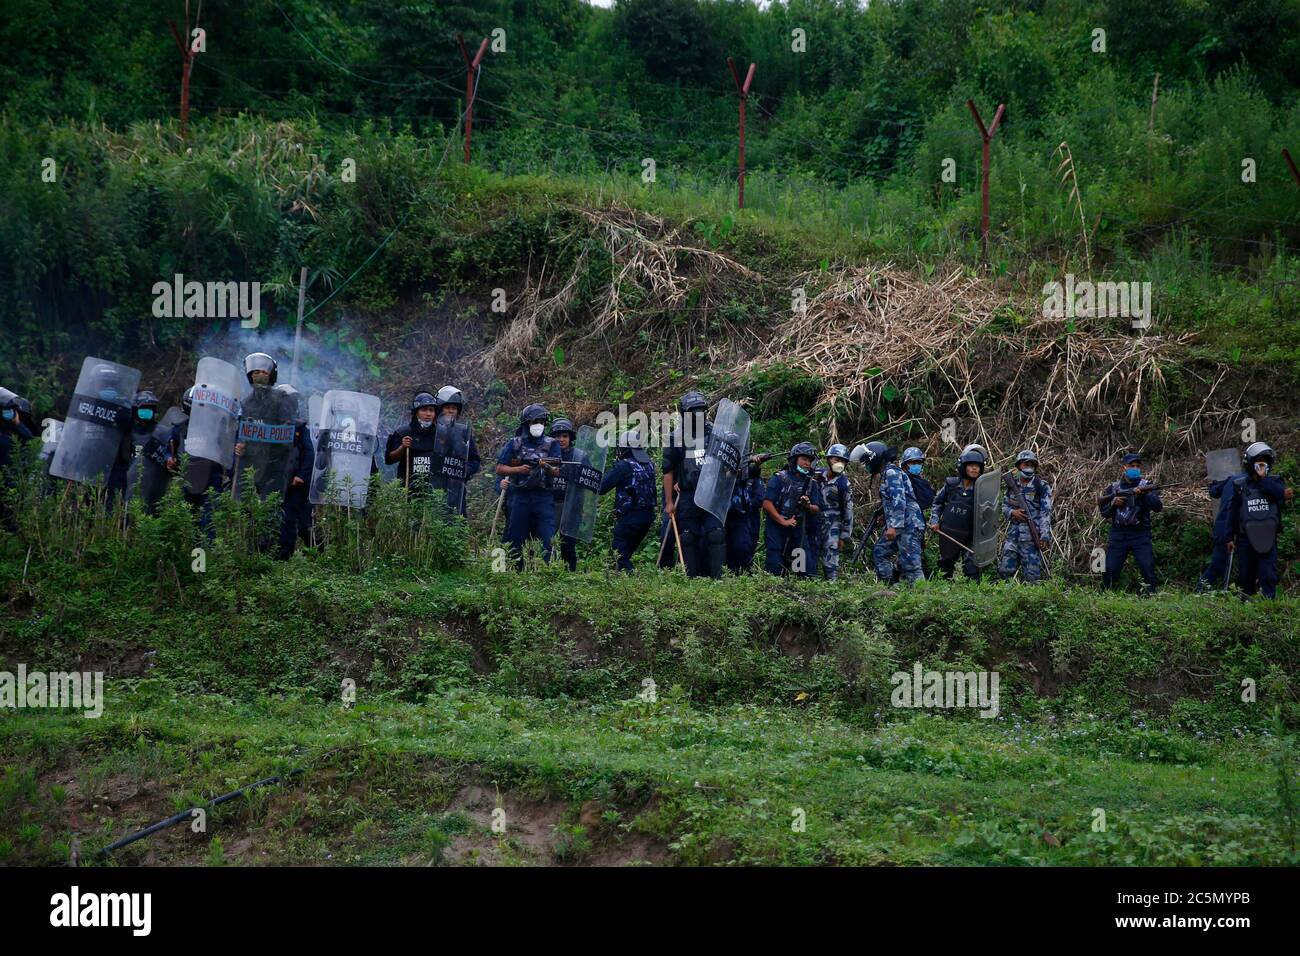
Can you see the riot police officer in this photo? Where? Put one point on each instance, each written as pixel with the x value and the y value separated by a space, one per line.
pixel 900 513
pixel 411 447
pixel 703 538
pixel 837 517
pixel 1019 552
pixel 632 479
pixel 953 513
pixel 1128 504
pixel 792 497
pixel 565 434
pixel 744 517
pixel 531 461
pixel 1258 498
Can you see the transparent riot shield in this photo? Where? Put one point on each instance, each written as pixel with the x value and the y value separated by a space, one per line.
pixel 724 459
pixel 451 462
pixel 98 419
pixel 148 473
pixel 345 448
pixel 1221 464
pixel 214 415
pixel 265 430
pixel 51 432
pixel 585 473
pixel 984 540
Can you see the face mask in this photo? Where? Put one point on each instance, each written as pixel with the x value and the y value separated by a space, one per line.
pixel 801 469
pixel 146 414
pixel 1133 474
pixel 1027 472
pixel 424 424
pixel 108 394
pixel 914 469
pixel 446 419
pixel 1261 467
pixel 7 414
pixel 536 429
pixel 837 467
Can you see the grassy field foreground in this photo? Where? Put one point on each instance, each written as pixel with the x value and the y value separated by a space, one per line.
pixel 1122 736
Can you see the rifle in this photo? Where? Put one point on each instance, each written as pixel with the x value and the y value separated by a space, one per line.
pixel 800 522
pixel 1130 492
pixel 877 519
pixel 1017 496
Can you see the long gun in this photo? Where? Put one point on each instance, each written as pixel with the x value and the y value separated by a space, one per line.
pixel 1130 492
pixel 1016 494
pixel 877 519
pixel 797 539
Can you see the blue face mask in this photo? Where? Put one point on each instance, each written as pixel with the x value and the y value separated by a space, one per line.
pixel 1027 472
pixel 801 469
pixel 7 414
pixel 914 469
pixel 1132 474
pixel 146 414
pixel 108 394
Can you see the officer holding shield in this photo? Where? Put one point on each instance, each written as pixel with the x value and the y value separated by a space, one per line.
pixel 1258 497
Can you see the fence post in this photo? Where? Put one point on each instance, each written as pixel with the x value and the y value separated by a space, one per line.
pixel 743 90
pixel 470 66
pixel 987 134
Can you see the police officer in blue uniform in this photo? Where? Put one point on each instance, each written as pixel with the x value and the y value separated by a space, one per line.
pixel 793 496
pixel 564 433
pixel 632 479
pixel 703 538
pixel 1128 504
pixel 531 461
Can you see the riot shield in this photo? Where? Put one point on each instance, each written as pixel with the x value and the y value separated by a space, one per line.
pixel 1222 464
pixel 345 448
pixel 6 396
pixel 266 431
pixel 723 459
pixel 984 540
pixel 314 403
pixel 218 390
pixel 51 432
pixel 148 471
pixel 451 461
pixel 582 499
pixel 98 419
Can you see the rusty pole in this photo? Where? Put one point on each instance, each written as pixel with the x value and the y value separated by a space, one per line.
pixel 743 90
pixel 1295 173
pixel 470 67
pixel 187 67
pixel 987 134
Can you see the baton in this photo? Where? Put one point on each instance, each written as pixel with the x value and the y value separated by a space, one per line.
pixel 500 501
pixel 939 531
pixel 408 467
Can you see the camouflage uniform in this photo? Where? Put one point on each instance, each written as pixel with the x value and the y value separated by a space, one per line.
pixel 1019 551
pixel 903 513
pixel 836 519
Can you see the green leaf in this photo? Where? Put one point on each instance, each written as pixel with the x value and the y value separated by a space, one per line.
pixel 873 371
pixel 559 355
pixel 889 393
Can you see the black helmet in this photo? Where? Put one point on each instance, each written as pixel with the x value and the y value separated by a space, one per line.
pixel 144 398
pixel 532 413
pixel 803 448
pixel 971 457
pixel 450 395
pixel 563 425
pixel 423 399
pixel 187 401
pixel 260 362
pixel 1257 451
pixel 693 402
pixel 872 455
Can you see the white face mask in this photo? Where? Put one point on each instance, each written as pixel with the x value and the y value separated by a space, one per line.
pixel 837 466
pixel 536 429
pixel 424 424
